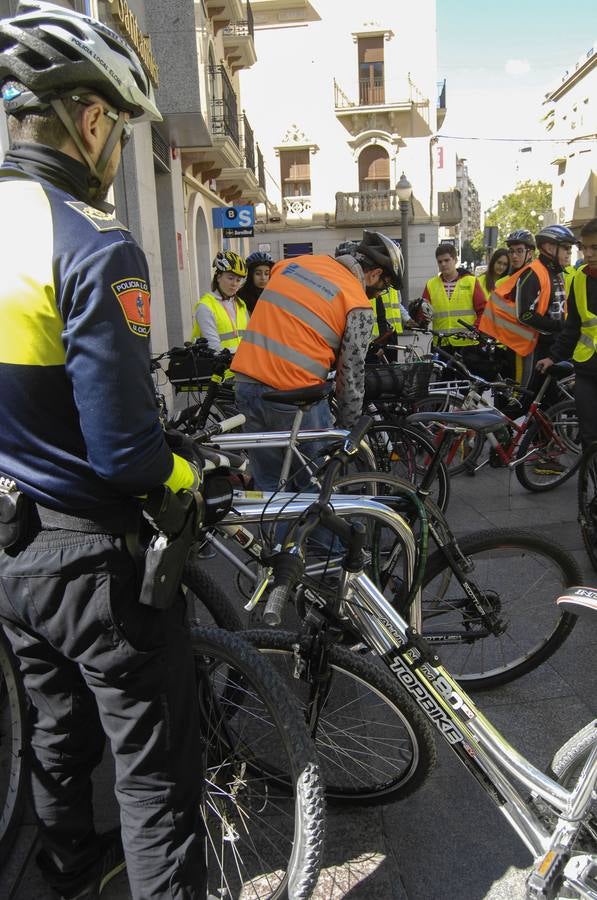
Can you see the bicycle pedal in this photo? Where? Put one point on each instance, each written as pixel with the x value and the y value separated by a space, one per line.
pixel 544 881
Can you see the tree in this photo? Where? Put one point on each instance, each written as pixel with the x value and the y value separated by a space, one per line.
pixel 528 206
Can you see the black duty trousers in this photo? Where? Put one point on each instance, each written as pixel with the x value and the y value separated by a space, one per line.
pixel 94 662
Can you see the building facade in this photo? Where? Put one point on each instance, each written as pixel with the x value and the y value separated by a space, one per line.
pixel 571 118
pixel 345 99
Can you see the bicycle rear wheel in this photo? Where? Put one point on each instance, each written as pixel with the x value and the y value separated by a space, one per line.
pixel 374 744
pixel 587 502
pixel 13 717
pixel 518 576
pixel 264 807
pixel 552 449
pixel 407 452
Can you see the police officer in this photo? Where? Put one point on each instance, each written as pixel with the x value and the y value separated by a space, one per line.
pixel 80 440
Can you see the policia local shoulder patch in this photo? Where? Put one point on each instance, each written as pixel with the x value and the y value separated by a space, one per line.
pixel 133 296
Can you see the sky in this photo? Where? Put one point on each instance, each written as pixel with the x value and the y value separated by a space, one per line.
pixel 499 60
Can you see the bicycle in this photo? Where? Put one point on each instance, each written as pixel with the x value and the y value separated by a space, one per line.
pixel 542 447
pixel 482 594
pixel 556 817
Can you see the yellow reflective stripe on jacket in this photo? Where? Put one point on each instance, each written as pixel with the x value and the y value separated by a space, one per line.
pixel 446 312
pixel 31 329
pixel 587 342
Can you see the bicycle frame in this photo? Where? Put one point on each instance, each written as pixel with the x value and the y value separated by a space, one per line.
pixel 290 440
pixel 479 746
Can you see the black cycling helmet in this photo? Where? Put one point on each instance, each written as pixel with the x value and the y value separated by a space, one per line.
pixel 259 258
pixel 555 234
pixel 383 252
pixel 521 236
pixel 346 248
pixel 52 50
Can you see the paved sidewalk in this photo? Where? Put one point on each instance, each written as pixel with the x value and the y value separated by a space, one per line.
pixel 447 842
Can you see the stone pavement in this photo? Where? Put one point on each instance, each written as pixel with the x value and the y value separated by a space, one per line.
pixel 447 842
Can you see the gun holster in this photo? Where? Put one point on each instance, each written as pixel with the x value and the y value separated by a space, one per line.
pixel 14 513
pixel 175 519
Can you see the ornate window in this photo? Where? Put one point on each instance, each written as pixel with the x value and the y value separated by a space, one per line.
pixel 374 169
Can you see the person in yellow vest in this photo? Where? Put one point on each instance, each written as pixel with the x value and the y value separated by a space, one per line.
pixel 497 269
pixel 220 316
pixel 454 294
pixel 578 338
pixel 313 316
pixel 526 311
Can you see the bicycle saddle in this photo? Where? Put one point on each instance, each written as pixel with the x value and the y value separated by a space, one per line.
pixel 579 601
pixel 477 419
pixel 301 396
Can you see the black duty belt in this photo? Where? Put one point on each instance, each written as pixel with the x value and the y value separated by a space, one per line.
pixel 121 520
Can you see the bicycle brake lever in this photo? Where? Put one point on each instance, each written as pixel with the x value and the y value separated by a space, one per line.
pixel 259 591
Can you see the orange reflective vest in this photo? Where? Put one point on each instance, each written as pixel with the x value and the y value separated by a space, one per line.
pixel 295 332
pixel 499 319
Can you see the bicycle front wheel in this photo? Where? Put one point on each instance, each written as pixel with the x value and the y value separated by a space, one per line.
pixel 264 807
pixel 206 602
pixel 374 744
pixel 550 451
pixel 587 502
pixel 516 576
pixel 13 717
pixel 407 452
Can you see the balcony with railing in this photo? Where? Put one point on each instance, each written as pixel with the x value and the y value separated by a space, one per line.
pixel 239 41
pixel 260 168
pixel 247 143
pixel 408 114
pixel 367 208
pixel 224 112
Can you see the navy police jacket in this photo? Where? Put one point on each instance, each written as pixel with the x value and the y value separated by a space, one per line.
pixel 79 426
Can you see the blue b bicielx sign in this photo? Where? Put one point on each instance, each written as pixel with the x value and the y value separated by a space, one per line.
pixel 233 217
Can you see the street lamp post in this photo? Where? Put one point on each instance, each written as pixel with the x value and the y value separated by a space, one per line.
pixel 404 191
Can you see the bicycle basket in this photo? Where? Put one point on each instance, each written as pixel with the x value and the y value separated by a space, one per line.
pixel 407 381
pixel 189 369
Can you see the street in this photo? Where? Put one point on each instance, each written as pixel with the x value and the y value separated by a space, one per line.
pixel 447 842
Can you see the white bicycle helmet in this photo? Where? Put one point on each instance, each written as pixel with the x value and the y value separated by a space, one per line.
pixel 52 50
